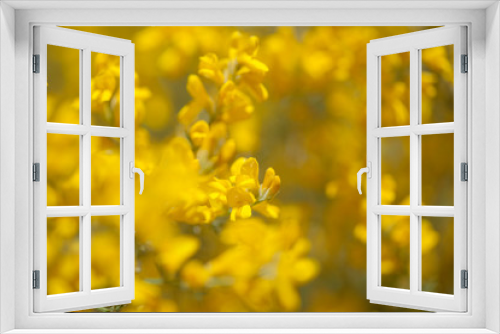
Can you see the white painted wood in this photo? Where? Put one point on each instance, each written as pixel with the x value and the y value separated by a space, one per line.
pixel 418 129
pixel 86 298
pixel 259 331
pixel 75 129
pixel 492 157
pixel 406 210
pixel 246 4
pixel 79 211
pixel 471 322
pixel 414 297
pixel 7 167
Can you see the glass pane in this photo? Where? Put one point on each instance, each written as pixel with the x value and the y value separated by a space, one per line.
pixel 105 89
pixel 105 171
pixel 395 261
pixel 437 84
pixel 437 169
pixel 437 254
pixel 395 89
pixel 63 255
pixel 63 85
pixel 63 170
pixel 105 252
pixel 395 171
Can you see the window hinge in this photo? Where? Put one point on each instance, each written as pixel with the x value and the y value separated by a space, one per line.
pixel 465 64
pixel 464 171
pixel 36 63
pixel 36 172
pixel 36 279
pixel 464 279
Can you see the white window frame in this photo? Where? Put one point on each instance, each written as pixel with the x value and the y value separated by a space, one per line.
pixel 414 43
pixel 85 43
pixel 16 217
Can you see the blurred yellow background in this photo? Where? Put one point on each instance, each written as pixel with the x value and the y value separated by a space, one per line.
pixel 250 139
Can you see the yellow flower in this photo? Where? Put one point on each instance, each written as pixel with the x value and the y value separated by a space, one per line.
pixel 198 132
pixel 201 100
pixel 228 150
pixel 245 173
pixel 209 68
pixel 240 200
pixel 268 210
pixel 243 45
pixel 216 135
pixel 252 83
pixel 235 104
pixel 193 214
pixel 271 185
pixel 103 86
pixel 430 238
pixel 260 252
pixel 176 251
pixel 195 274
pixel 293 270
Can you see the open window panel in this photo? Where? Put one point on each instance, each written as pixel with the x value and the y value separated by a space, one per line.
pixel 411 134
pixel 79 206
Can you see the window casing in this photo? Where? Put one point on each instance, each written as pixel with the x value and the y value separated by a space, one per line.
pixel 26 319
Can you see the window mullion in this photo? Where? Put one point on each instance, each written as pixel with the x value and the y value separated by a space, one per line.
pixel 414 171
pixel 85 156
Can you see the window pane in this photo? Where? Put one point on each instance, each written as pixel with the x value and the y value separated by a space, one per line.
pixel 105 171
pixel 395 89
pixel 395 261
pixel 437 84
pixel 395 171
pixel 105 89
pixel 437 169
pixel 437 254
pixel 63 255
pixel 63 170
pixel 63 85
pixel 105 252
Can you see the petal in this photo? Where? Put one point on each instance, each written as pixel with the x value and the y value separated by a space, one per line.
pixel 268 210
pixel 189 113
pixel 195 87
pixel 198 132
pixel 238 197
pixel 251 168
pixel 305 270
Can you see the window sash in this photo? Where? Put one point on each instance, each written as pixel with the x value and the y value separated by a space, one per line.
pixel 85 298
pixel 414 297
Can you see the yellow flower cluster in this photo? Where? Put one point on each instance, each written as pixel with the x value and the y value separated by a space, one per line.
pixel 234 78
pixel 234 82
pixel 105 91
pixel 261 263
pixel 293 99
pixel 263 266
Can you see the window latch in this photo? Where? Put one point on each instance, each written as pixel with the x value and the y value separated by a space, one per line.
pixel 368 171
pixel 133 170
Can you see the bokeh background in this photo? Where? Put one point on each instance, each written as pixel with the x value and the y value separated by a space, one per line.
pixel 218 233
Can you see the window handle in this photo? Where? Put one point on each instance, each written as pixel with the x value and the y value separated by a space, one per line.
pixel 138 171
pixel 368 171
